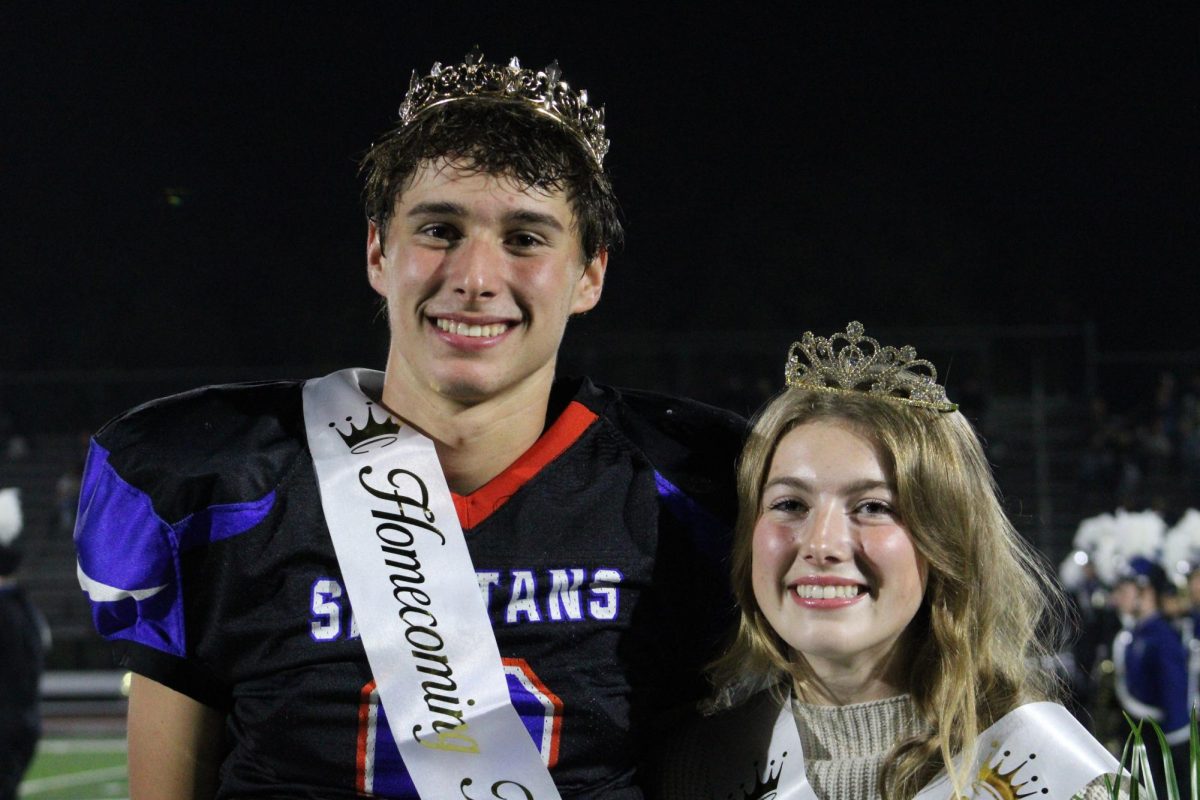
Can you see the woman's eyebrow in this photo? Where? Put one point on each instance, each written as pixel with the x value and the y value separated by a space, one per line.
pixel 864 485
pixel 788 480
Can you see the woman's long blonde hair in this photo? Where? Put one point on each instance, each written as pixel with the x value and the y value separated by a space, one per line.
pixel 976 643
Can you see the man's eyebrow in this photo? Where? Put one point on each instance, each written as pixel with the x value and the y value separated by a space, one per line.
pixel 437 208
pixel 521 215
pixel 534 218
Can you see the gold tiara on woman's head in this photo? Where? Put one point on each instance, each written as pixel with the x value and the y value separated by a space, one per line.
pixel 854 362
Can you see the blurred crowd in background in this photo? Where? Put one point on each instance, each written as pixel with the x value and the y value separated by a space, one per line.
pixel 1132 456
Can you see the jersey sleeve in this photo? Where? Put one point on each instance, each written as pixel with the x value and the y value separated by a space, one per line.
pixel 151 495
pixel 692 450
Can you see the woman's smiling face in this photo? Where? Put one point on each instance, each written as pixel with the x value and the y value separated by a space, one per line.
pixel 835 571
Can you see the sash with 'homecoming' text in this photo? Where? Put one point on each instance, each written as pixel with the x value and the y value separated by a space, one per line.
pixel 416 601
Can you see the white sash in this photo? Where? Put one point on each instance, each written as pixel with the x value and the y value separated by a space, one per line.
pixel 1033 747
pixel 416 601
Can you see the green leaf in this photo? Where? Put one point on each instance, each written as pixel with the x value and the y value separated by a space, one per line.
pixel 1194 756
pixel 1137 762
pixel 1168 762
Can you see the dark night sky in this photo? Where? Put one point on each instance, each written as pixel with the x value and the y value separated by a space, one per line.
pixel 779 169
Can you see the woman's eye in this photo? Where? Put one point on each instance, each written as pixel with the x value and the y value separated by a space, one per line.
pixel 875 508
pixel 786 505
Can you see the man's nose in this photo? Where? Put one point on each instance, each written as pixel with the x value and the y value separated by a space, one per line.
pixel 475 268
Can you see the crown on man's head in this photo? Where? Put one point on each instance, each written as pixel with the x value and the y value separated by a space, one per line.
pixel 861 364
pixel 541 90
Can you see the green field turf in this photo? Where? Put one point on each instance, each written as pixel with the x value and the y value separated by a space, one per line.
pixel 77 769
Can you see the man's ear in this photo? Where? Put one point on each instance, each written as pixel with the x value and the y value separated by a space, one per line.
pixel 375 266
pixel 591 283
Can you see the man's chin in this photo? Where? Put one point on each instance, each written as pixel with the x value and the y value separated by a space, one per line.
pixel 467 393
pixel 473 390
pixel 470 390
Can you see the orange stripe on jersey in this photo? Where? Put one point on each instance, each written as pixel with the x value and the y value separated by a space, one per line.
pixel 364 731
pixel 550 758
pixel 474 508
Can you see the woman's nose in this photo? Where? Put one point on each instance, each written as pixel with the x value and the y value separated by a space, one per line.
pixel 826 539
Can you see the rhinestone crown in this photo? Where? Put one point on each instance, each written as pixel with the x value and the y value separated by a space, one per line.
pixel 854 362
pixel 543 91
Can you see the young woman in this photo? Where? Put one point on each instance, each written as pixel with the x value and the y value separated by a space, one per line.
pixel 892 619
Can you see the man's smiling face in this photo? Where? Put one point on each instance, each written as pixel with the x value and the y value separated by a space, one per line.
pixel 480 277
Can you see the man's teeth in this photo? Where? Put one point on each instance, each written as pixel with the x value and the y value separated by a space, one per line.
pixel 463 329
pixel 808 591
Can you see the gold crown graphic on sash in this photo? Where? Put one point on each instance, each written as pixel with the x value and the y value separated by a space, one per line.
pixel 1003 785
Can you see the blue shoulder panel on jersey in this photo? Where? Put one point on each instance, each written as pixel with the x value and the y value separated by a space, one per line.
pixel 710 535
pixel 129 556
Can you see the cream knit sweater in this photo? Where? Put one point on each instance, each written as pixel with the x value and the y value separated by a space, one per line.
pixel 844 748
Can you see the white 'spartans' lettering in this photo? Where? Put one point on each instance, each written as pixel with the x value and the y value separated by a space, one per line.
pixel 514 597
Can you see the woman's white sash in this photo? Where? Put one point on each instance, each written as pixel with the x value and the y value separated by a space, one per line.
pixel 1035 747
pixel 416 601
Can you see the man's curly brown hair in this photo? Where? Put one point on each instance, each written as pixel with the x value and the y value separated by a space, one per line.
pixel 499 138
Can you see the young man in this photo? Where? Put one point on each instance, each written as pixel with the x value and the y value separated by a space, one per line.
pixel 224 533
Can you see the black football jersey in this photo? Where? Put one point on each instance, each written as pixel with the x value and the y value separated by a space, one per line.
pixel 601 554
